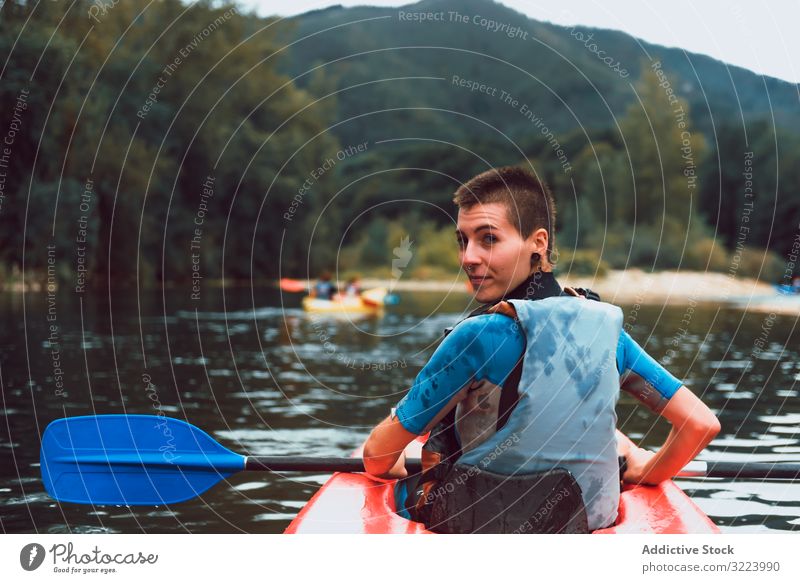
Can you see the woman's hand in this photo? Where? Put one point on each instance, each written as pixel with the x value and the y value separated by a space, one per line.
pixel 637 461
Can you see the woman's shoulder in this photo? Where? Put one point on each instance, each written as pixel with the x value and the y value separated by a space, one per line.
pixel 487 331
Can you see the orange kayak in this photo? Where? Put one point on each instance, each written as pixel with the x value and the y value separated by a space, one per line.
pixel 357 504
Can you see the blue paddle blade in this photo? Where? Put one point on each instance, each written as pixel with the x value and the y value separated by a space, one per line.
pixel 391 300
pixel 131 459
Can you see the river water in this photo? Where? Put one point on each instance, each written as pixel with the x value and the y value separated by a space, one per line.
pixel 262 377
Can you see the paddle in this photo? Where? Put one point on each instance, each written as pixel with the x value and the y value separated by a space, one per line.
pixel 150 460
pixel 292 285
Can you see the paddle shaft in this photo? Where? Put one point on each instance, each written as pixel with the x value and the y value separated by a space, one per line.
pixel 752 470
pixel 315 464
pixel 756 471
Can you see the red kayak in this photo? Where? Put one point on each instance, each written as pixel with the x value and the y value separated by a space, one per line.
pixel 357 504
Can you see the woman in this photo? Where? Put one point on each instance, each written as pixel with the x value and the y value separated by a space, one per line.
pixel 529 382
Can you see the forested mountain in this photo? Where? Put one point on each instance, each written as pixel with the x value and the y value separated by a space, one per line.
pixel 458 85
pixel 552 68
pixel 170 141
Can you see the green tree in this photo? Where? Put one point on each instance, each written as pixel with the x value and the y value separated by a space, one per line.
pixel 149 101
pixel 664 153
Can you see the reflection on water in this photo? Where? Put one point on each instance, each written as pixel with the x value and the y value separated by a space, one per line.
pixel 270 379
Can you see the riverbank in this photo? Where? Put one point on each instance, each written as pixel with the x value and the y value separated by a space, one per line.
pixel 631 286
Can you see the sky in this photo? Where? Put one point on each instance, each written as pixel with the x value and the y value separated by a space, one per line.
pixel 760 36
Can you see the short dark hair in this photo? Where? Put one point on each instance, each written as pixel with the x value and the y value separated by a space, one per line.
pixel 528 200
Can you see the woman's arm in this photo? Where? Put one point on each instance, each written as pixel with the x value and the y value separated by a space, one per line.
pixel 693 428
pixel 384 452
pixel 693 424
pixel 484 347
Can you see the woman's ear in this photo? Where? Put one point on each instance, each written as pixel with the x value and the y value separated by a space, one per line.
pixel 537 243
pixel 540 240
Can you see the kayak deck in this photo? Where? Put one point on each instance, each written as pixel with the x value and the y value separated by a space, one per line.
pixel 357 504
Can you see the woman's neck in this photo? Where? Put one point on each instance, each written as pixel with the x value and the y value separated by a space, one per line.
pixel 538 285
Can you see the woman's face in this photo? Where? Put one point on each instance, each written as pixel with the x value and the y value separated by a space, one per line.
pixel 492 252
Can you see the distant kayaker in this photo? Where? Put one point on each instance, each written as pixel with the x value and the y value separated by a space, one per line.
pixel 324 289
pixel 526 384
pixel 353 287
